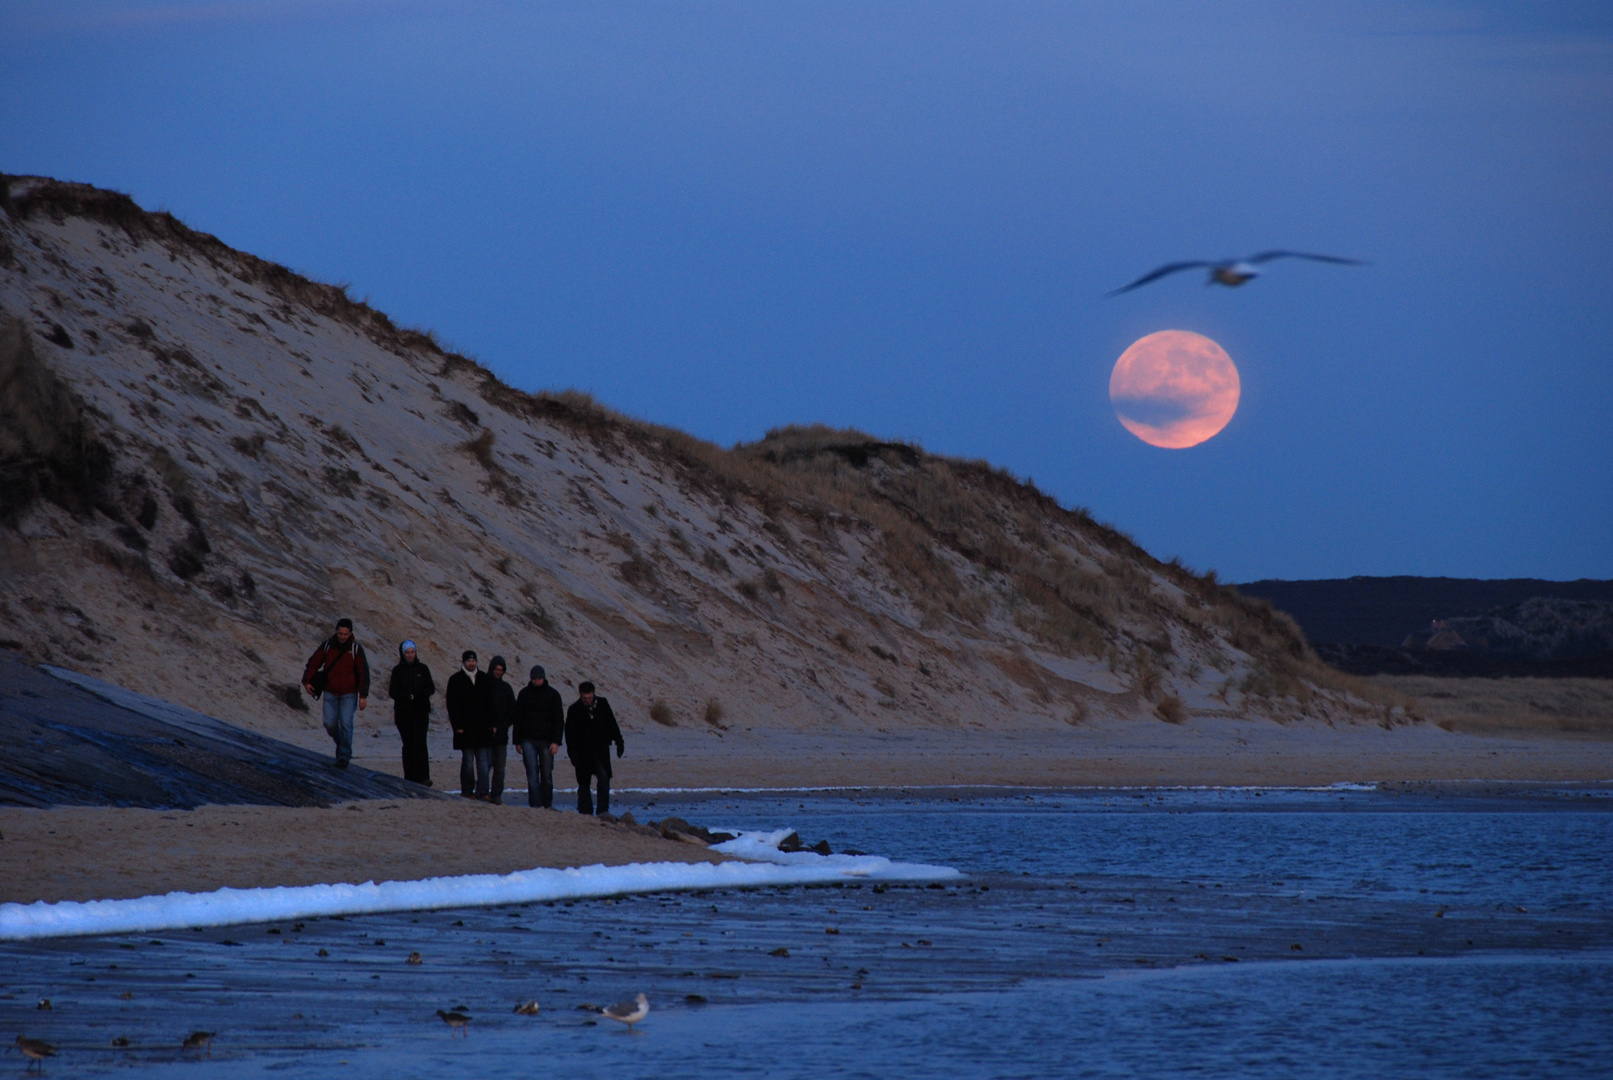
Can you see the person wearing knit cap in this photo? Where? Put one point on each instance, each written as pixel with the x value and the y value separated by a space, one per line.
pixel 498 706
pixel 465 715
pixel 540 724
pixel 411 689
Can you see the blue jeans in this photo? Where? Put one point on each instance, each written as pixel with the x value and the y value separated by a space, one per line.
pixel 539 773
pixel 474 767
pixel 339 710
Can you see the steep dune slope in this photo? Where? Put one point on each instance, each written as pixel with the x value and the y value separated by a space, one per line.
pixel 233 456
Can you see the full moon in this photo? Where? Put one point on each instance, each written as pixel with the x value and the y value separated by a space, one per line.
pixel 1174 389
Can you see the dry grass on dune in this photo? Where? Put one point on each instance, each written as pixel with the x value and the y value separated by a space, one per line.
pixel 1574 707
pixel 45 448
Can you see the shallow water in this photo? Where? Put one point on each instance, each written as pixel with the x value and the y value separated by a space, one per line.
pixel 1101 934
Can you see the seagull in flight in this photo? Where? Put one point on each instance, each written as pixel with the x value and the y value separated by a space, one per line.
pixel 1232 272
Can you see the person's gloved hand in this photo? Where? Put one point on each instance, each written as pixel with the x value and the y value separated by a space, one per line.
pixel 619 748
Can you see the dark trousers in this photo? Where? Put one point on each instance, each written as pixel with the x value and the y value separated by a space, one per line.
pixel 500 752
pixel 416 758
pixel 539 773
pixel 585 803
pixel 474 767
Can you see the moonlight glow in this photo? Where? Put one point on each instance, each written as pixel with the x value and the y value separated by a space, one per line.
pixel 1174 389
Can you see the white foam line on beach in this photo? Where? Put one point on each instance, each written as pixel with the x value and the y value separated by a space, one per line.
pixel 225 907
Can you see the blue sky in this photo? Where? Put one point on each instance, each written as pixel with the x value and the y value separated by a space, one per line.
pixel 903 217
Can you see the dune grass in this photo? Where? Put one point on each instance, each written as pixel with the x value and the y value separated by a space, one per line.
pixel 1566 707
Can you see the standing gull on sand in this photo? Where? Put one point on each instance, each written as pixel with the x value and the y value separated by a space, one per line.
pixel 457 1020
pixel 628 1012
pixel 37 1050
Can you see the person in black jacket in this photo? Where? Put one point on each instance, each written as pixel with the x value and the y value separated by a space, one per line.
pixel 540 724
pixel 590 729
pixel 468 719
pixel 498 705
pixel 411 690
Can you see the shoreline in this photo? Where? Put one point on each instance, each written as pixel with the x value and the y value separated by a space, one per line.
pixel 748 862
pixel 86 854
pixel 105 853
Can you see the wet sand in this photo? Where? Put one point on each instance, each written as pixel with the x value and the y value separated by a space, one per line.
pixel 1206 751
pixel 95 853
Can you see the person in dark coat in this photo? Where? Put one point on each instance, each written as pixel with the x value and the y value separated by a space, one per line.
pixel 498 705
pixel 340 671
pixel 411 690
pixel 467 716
pixel 590 729
pixel 540 724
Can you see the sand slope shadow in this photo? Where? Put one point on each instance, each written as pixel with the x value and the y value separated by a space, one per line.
pixel 75 741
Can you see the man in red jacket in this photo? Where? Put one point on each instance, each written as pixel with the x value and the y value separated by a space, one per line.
pixel 339 670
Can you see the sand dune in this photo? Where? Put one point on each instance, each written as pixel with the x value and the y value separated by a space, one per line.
pixel 241 455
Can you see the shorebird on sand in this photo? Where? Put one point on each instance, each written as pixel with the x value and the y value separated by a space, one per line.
pixel 35 1050
pixel 199 1040
pixel 628 1012
pixel 1232 272
pixel 456 1021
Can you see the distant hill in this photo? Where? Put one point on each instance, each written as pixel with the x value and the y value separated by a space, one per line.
pixel 1384 610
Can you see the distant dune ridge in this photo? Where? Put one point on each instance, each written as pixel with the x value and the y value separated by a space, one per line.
pixel 1453 627
pixel 1541 627
pixel 236 455
pixel 1384 610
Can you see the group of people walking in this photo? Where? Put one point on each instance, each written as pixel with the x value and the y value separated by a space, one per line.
pixel 486 714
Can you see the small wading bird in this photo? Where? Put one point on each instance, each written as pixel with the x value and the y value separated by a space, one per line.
pixel 457 1020
pixel 628 1012
pixel 199 1040
pixel 1232 272
pixel 35 1050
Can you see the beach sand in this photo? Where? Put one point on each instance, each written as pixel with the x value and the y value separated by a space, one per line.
pixel 97 853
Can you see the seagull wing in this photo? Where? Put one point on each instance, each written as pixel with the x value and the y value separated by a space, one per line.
pixel 621 1009
pixel 1268 256
pixel 1155 275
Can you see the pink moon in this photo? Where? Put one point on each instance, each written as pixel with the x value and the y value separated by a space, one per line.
pixel 1174 389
